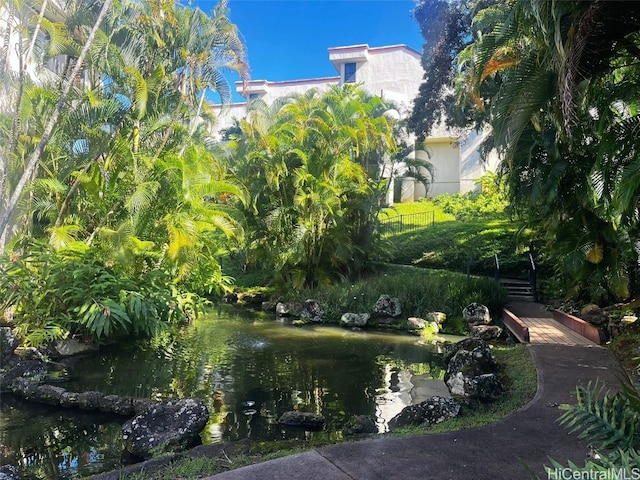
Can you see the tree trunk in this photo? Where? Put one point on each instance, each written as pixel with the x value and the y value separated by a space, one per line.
pixel 33 161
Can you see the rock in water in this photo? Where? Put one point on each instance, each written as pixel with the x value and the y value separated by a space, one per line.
pixel 169 426
pixel 302 419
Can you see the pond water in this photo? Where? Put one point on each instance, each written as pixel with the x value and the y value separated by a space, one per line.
pixel 248 367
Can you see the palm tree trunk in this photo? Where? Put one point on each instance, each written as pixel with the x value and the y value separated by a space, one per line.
pixel 33 161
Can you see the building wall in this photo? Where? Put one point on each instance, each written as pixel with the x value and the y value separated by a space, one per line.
pixel 395 74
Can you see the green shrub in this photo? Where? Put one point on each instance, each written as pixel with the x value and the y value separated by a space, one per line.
pixel 420 291
pixel 491 200
pixel 56 293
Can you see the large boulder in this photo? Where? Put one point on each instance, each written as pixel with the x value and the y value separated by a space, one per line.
pixel 437 317
pixel 117 404
pixel 302 419
pixel 471 372
pixel 387 306
pixel 72 346
pixel 37 392
pixel 288 309
pixel 29 369
pixel 354 319
pixel 485 387
pixel 416 324
pixel 312 310
pixel 485 332
pixel 169 426
pixel 8 344
pixel 594 315
pixel 433 410
pixel 476 314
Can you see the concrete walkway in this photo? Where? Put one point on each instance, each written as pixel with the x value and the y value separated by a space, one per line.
pixel 499 451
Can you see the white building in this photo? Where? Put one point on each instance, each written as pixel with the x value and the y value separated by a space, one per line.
pixel 394 73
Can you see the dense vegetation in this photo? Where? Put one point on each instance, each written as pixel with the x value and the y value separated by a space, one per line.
pixel 557 82
pixel 314 169
pixel 117 182
pixel 125 200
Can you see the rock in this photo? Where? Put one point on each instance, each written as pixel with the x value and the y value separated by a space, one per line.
pixel 8 344
pixel 312 310
pixel 594 315
pixel 465 375
pixel 71 346
pixel 437 317
pixel 387 306
pixel 415 324
pixel 450 349
pixel 169 426
pixel 360 424
pixel 354 319
pixel 287 309
pixel 116 404
pixel 486 332
pixel 69 399
pixel 47 394
pixel 431 411
pixel 485 387
pixel 9 472
pixel 28 369
pixel 430 329
pixel 302 419
pixel 476 314
pixel 230 297
pixel 90 400
pixel 140 405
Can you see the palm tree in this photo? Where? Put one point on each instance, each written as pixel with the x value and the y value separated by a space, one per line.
pixel 303 160
pixel 557 82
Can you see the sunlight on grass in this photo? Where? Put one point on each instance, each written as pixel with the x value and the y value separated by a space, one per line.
pixel 420 206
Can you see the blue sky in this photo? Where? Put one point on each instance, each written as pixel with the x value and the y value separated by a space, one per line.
pixel 288 39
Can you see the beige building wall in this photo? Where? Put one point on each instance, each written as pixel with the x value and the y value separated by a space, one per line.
pixel 394 73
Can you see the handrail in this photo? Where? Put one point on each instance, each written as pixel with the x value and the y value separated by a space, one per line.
pixel 533 280
pixel 497 264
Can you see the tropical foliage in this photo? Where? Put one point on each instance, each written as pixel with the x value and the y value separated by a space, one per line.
pixel 316 168
pixel 125 179
pixel 54 294
pixel 558 81
pixel 610 421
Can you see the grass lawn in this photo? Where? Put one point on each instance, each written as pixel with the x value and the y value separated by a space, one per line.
pixel 420 206
pixel 456 245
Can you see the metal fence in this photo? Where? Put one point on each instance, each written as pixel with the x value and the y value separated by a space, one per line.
pixel 407 223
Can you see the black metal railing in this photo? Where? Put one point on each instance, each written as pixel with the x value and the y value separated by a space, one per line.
pixel 533 275
pixel 407 222
pixel 497 267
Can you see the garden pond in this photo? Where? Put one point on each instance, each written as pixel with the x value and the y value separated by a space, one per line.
pixel 248 367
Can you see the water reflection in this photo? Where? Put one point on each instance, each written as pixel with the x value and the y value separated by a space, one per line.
pixel 249 369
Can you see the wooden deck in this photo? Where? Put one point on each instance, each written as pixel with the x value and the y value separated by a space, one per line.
pixel 531 323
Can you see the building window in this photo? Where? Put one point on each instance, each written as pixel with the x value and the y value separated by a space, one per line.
pixel 349 73
pixel 254 96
